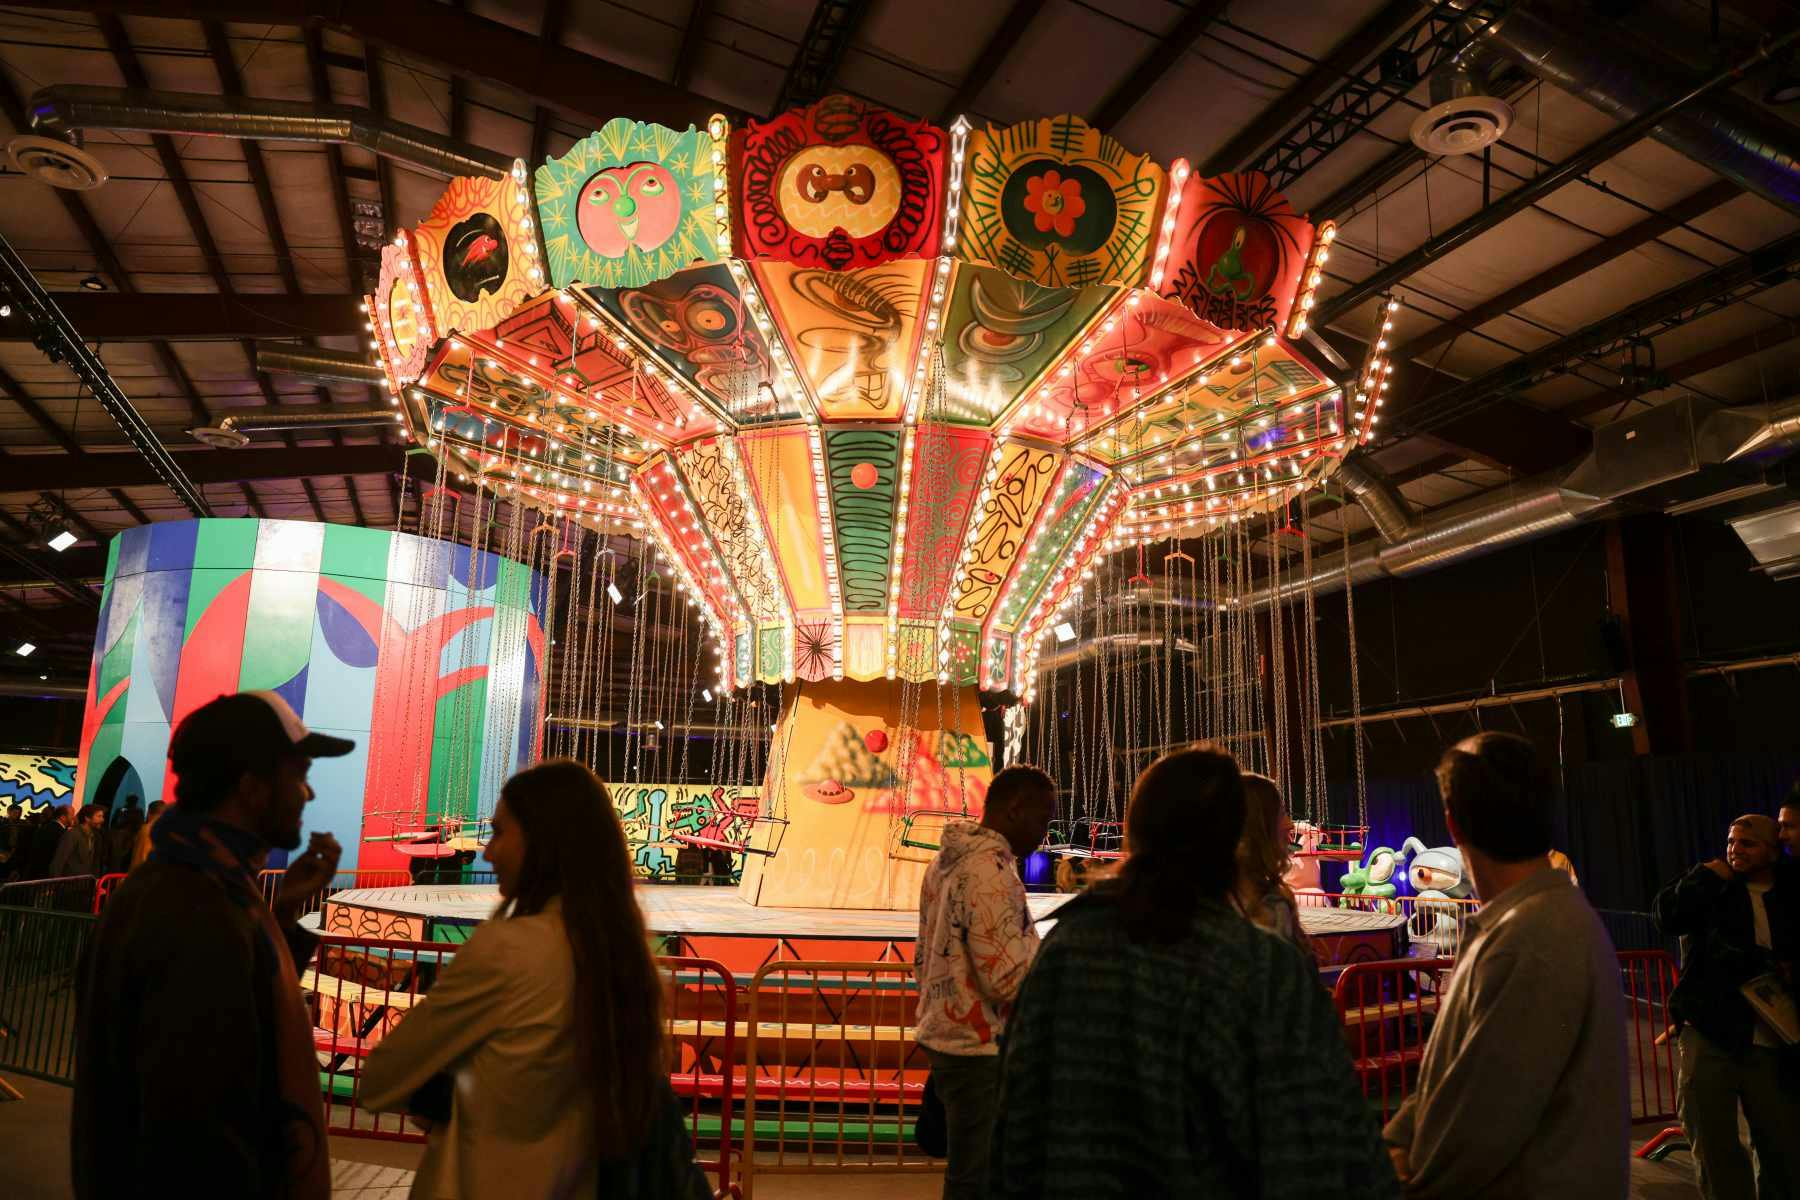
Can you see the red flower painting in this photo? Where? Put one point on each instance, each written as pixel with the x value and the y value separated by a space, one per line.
pixel 1056 201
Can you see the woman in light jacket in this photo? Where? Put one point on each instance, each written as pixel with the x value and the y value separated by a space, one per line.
pixel 548 1020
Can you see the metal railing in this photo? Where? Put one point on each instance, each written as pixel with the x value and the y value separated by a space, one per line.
pixel 61 893
pixel 833 1072
pixel 1435 926
pixel 360 989
pixel 40 957
pixel 1387 1009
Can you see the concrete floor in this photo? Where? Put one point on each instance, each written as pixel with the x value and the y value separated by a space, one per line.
pixel 34 1164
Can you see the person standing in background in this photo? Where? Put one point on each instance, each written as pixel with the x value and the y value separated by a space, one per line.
pixel 82 850
pixel 140 849
pixel 1523 1089
pixel 47 827
pixel 1740 919
pixel 976 942
pixel 1264 852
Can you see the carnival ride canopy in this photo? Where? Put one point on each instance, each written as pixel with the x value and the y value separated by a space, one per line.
pixel 880 391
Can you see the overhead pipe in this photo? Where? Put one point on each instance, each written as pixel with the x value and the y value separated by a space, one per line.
pixel 234 430
pixel 1381 501
pixel 333 366
pixel 65 108
pixel 1620 465
pixel 1723 150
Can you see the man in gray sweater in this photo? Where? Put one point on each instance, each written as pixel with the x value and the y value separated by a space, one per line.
pixel 1522 1091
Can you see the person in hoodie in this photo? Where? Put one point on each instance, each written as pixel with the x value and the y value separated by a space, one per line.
pixel 975 944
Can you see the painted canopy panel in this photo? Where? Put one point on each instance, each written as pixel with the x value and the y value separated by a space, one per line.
pixel 1025 478
pixel 947 463
pixel 852 334
pixel 1064 519
pixel 1001 333
pixel 864 473
pixel 477 253
pixel 1058 202
pixel 695 324
pixel 629 204
pixel 1236 252
pixel 838 185
pixel 780 470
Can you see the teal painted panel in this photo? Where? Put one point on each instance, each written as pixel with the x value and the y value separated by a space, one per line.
pixel 226 542
pixel 281 617
pixel 356 552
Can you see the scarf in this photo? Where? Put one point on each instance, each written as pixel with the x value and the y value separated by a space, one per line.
pixel 224 853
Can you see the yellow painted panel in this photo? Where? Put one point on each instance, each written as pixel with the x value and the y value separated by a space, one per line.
pixel 784 475
pixel 852 334
pixel 1002 525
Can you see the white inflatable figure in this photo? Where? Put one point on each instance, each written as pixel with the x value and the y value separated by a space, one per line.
pixel 1437 875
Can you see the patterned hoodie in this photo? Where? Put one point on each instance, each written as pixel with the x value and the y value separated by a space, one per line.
pixel 975 941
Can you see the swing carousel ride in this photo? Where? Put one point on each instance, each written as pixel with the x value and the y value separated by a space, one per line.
pixel 877 400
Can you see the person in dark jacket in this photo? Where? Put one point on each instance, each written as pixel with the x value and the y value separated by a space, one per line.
pixel 1161 1045
pixel 123 836
pixel 45 833
pixel 1741 919
pixel 12 842
pixel 194 1055
pixel 82 850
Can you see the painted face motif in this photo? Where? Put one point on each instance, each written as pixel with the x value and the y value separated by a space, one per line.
pixel 853 188
pixel 636 205
pixel 702 323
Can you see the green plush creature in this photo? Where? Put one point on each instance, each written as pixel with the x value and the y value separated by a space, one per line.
pixel 1374 879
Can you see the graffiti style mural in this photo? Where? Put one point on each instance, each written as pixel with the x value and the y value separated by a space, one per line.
pixel 653 813
pixel 629 204
pixel 35 781
pixel 426 654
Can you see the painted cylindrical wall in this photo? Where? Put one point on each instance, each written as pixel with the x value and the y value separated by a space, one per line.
pixel 428 655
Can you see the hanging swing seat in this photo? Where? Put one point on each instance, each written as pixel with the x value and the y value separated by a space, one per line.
pixel 778 826
pixel 922 841
pixel 1105 841
pixel 1338 842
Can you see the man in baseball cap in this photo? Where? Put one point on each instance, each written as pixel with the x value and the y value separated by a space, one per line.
pixel 193 1046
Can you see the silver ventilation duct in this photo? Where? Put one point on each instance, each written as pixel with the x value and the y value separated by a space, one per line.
pixel 1381 501
pixel 1745 144
pixel 65 108
pixel 333 366
pixel 1653 459
pixel 234 430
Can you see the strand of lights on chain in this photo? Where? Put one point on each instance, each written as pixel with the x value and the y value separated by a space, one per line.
pixel 828 535
pixel 970 538
pixel 940 279
pixel 892 656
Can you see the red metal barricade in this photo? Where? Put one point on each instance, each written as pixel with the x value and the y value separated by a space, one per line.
pixel 358 989
pixel 103 889
pixel 1651 1048
pixel 1387 1009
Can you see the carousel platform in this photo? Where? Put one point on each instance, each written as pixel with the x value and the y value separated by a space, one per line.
pixel 693 915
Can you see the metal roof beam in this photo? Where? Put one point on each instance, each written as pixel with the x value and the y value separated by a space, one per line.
pixel 987 63
pixel 1112 111
pixel 32 473
pixel 132 316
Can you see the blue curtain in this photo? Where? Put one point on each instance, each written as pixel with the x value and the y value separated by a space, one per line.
pixel 1630 826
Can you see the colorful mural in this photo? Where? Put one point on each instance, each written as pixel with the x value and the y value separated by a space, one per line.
pixel 654 813
pixel 424 653
pixel 35 781
pixel 848 773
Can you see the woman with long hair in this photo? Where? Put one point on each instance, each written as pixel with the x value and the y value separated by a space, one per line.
pixel 1264 853
pixel 1162 1045
pixel 548 1022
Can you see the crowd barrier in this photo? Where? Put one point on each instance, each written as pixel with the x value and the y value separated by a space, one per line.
pixel 1435 926
pixel 833 1075
pixel 358 989
pixel 1388 1009
pixel 62 893
pixel 40 955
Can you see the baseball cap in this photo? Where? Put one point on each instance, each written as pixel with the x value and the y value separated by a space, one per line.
pixel 248 727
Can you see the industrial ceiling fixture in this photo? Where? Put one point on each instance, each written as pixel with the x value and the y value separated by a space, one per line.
pixel 1465 116
pixel 62 541
pixel 25 650
pixel 92 283
pixel 57 163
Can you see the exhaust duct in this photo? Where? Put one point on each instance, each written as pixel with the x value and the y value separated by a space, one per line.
pixel 332 366
pixel 234 430
pixel 65 108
